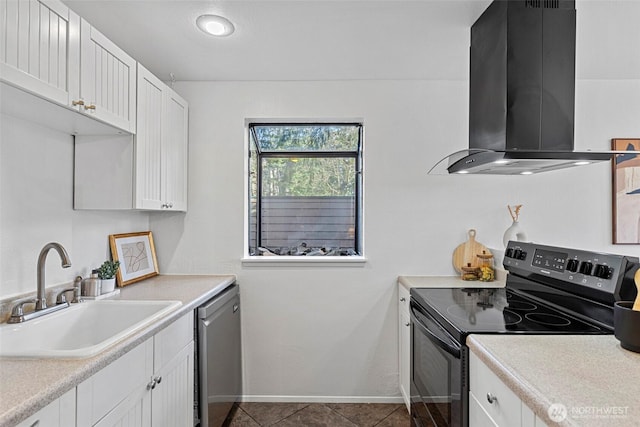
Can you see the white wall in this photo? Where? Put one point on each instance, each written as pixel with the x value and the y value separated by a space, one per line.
pixel 36 207
pixel 320 331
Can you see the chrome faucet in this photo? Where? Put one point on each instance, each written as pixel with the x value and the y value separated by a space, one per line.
pixel 41 297
pixel 17 312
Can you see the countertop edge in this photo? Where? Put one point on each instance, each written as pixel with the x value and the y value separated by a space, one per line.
pixel 48 394
pixel 529 395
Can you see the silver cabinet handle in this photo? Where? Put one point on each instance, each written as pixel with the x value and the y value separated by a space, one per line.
pixel 151 385
pixel 491 398
pixel 36 423
pixel 158 380
pixel 407 324
pixel 403 299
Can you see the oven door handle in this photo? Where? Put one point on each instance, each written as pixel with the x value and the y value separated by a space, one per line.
pixel 450 347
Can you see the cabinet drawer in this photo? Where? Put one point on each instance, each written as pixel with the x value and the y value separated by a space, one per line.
pixel 506 409
pixel 168 342
pixel 106 389
pixel 403 298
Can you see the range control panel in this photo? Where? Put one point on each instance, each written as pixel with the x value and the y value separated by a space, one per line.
pixel 598 271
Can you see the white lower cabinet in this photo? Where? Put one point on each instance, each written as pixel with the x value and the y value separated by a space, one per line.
pixel 492 403
pixel 404 344
pixel 59 413
pixel 151 385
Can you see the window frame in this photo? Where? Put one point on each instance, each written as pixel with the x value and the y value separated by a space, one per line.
pixel 357 155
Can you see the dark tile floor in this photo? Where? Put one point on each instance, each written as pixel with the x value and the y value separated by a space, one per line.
pixel 253 414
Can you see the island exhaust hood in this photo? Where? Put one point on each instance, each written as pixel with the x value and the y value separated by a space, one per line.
pixel 522 91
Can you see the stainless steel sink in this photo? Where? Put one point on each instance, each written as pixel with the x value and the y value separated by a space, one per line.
pixel 82 330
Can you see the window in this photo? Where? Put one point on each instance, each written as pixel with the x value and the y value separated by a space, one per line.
pixel 305 189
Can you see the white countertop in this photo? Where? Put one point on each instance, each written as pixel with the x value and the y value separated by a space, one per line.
pixel 596 380
pixel 27 385
pixel 450 281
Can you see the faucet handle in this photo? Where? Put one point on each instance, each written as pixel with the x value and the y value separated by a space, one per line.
pixel 60 295
pixel 17 312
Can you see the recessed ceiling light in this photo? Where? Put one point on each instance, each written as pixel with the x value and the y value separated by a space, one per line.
pixel 501 162
pixel 463 172
pixel 215 25
pixel 581 163
pixel 526 173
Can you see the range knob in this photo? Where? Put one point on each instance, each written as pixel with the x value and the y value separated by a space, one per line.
pixel 586 267
pixel 603 271
pixel 509 253
pixel 522 255
pixel 572 265
pixel 517 254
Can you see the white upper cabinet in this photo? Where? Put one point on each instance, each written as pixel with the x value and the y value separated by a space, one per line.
pixel 39 48
pixel 48 51
pixel 107 80
pixel 148 145
pixel 147 171
pixel 175 151
pixel 162 143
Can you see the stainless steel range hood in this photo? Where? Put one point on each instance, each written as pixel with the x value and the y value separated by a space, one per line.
pixel 522 91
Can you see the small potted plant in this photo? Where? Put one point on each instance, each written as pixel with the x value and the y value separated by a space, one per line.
pixel 107 274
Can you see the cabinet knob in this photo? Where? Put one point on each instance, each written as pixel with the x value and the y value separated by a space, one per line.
pixel 403 299
pixel 158 380
pixel 491 398
pixel 170 205
pixel 76 103
pixel 151 385
pixel 407 324
pixel 89 107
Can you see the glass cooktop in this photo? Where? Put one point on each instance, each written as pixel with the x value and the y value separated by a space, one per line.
pixel 496 310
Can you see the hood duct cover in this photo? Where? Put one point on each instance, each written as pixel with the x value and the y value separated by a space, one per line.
pixel 522 90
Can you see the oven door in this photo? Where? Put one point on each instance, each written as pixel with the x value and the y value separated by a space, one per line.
pixel 439 393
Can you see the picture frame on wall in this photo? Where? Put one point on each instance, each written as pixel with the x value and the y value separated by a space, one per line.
pixel 137 255
pixel 626 192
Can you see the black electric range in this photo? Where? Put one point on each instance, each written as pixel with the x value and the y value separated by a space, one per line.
pixel 549 290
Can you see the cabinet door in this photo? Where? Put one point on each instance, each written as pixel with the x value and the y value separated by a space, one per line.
pixel 497 400
pixel 478 417
pixel 59 413
pixel 172 396
pixel 107 80
pixel 148 146
pixel 404 344
pixel 39 48
pixel 404 356
pixel 122 381
pixel 134 411
pixel 175 151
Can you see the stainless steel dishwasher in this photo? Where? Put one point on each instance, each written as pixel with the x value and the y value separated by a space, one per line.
pixel 219 357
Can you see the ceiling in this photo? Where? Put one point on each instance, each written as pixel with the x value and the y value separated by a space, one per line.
pixel 340 39
pixel 292 40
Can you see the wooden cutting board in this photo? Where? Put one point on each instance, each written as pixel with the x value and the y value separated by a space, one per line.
pixel 466 253
pixel 636 279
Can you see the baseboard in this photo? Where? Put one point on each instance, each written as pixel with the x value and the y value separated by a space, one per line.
pixel 321 399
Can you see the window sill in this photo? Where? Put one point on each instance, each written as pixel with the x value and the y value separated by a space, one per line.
pixel 284 261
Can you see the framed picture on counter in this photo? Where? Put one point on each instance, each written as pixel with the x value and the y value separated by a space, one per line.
pixel 626 192
pixel 137 256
